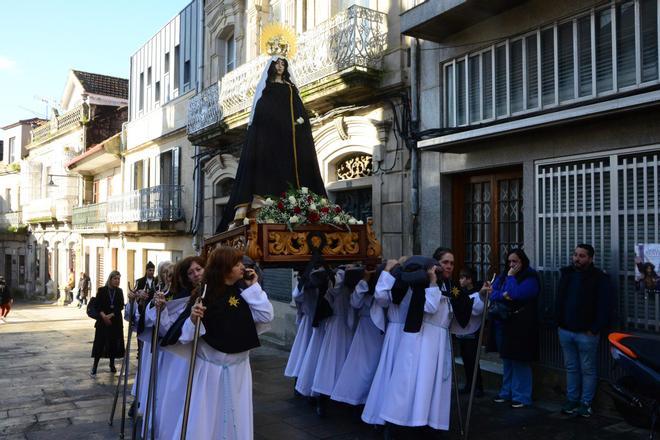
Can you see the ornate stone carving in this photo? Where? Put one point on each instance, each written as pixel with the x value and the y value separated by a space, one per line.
pixel 354 167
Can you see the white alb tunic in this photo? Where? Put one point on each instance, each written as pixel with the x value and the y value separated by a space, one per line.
pixel 355 379
pixel 145 358
pixel 306 305
pixel 221 403
pixel 420 391
pixel 337 340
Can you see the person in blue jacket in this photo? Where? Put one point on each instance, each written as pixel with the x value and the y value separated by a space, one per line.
pixel 516 331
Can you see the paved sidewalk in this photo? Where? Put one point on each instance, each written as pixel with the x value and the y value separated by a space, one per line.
pixel 46 393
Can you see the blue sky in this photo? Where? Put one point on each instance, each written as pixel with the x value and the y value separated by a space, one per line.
pixel 40 40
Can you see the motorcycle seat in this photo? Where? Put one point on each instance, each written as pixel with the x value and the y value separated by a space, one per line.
pixel 646 350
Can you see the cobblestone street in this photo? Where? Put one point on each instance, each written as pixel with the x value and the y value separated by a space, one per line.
pixel 46 393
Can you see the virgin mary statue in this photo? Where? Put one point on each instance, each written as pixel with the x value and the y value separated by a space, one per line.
pixel 279 150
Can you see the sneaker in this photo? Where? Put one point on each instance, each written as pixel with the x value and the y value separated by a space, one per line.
pixel 584 410
pixel 569 407
pixel 516 404
pixel 499 399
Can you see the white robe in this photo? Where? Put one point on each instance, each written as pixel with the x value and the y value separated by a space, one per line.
pixel 419 393
pixel 145 358
pixel 306 305
pixel 396 318
pixel 221 402
pixel 337 340
pixel 355 379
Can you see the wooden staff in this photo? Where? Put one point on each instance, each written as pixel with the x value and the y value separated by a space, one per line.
pixel 150 409
pixel 123 374
pixel 455 379
pixel 473 387
pixel 191 371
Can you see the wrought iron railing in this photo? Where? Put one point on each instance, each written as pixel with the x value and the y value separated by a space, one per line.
pixel 160 203
pixel 69 119
pixel 8 219
pixel 355 38
pixel 90 216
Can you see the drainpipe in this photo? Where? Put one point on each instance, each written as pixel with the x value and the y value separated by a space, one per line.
pixel 198 208
pixel 415 54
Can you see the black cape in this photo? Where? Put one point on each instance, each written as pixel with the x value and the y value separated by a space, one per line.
pixel 267 166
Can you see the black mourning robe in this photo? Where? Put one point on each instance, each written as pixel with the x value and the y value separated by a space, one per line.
pixel 267 166
pixel 109 340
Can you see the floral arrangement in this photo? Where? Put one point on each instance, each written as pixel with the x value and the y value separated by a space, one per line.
pixel 303 207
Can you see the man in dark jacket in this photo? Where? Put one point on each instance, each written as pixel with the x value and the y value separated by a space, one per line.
pixel 582 308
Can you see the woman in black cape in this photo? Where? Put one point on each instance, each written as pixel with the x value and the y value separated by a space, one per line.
pixel 109 335
pixel 279 151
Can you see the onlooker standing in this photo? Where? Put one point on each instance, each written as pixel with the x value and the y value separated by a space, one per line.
pixel 70 285
pixel 6 299
pixel 583 302
pixel 109 335
pixel 516 330
pixel 83 289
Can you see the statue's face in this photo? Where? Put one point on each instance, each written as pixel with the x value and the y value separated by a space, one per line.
pixel 280 67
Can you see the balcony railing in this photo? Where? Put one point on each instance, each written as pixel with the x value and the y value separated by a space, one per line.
pixel 355 38
pixel 39 211
pixel 160 203
pixel 9 219
pixel 67 120
pixel 90 216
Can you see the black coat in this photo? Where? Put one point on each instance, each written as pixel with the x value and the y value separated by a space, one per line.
pixel 109 340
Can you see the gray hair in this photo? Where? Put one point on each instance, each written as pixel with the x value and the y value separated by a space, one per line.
pixel 163 266
pixel 114 273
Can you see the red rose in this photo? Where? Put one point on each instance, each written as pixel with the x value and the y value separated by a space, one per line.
pixel 280 206
pixel 297 210
pixel 313 217
pixel 338 209
pixel 283 194
pixel 325 210
pixel 309 199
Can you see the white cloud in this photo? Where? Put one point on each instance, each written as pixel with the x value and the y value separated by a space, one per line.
pixel 6 63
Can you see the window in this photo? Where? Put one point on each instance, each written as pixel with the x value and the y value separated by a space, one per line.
pixel 221 193
pixel 571 61
pixel 2 150
pixel 186 72
pixel 230 54
pixel 177 62
pixel 148 76
pixel 11 150
pixel 170 164
pixel 157 91
pixel 141 91
pixel 166 63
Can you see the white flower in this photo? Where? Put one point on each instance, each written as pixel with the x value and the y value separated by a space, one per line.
pixel 360 222
pixel 246 221
pixel 324 202
pixel 269 202
pixel 304 189
pixel 312 207
pixel 270 220
pixel 336 219
pixel 293 219
pixel 292 200
pixel 352 221
pixel 300 120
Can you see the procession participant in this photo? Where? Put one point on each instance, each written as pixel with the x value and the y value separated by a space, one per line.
pixel 338 335
pixel 391 294
pixel 355 379
pixel 305 305
pixel 109 333
pixel 83 289
pixel 420 387
pixel 173 370
pixel 6 299
pixel 231 319
pixel 279 132
pixel 315 285
pixel 468 309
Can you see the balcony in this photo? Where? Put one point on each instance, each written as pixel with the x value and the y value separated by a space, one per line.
pixel 160 203
pixel 10 220
pixel 434 20
pixel 341 58
pixel 66 121
pixel 90 217
pixel 49 210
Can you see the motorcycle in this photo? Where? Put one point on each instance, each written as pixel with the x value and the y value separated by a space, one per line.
pixel 637 393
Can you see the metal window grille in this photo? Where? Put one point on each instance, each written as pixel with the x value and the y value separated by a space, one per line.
pixel 611 202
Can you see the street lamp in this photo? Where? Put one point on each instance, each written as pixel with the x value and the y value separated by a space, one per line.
pixel 50 178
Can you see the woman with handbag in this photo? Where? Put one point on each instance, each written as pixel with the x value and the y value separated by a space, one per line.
pixel 109 334
pixel 513 309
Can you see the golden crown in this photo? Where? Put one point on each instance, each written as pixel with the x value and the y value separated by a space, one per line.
pixel 278 40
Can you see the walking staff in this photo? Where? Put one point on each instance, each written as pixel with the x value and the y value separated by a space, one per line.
pixel 123 374
pixel 150 409
pixel 191 371
pixel 473 386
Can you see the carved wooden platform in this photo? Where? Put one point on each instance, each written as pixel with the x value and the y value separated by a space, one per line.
pixel 274 245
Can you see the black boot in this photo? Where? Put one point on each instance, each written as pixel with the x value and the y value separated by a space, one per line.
pixel 321 405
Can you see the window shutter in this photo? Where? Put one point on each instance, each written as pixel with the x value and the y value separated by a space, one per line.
pixel 516 75
pixel 532 67
pixel 584 56
pixel 475 100
pixel 500 80
pixel 176 166
pixel 625 44
pixel 487 77
pixel 604 50
pixel 565 60
pixel 548 66
pixel 648 17
pixel 460 93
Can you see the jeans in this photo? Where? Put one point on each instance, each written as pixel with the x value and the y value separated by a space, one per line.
pixel 517 378
pixel 469 345
pixel 581 360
